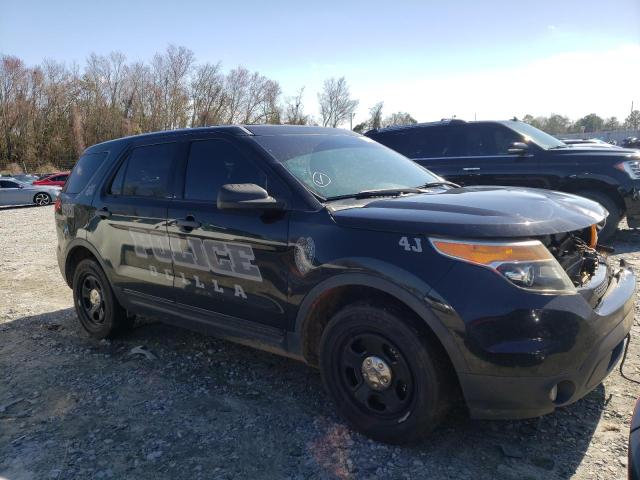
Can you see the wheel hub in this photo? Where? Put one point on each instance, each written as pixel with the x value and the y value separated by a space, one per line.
pixel 94 297
pixel 376 373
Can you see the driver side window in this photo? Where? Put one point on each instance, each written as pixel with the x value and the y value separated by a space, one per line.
pixel 213 163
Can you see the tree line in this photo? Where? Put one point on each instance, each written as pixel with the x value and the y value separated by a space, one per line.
pixel 559 124
pixel 49 113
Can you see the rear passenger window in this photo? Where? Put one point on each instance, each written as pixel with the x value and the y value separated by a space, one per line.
pixel 213 163
pixel 146 173
pixel 468 141
pixel 83 171
pixel 428 142
pixel 396 141
pixel 417 142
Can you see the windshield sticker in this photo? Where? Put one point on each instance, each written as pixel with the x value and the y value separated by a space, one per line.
pixel 321 179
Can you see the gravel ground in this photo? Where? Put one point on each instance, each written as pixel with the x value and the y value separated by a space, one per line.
pixel 71 407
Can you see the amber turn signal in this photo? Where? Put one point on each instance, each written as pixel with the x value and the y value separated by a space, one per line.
pixel 489 253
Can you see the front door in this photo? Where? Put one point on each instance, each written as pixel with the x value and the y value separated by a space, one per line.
pixel 478 154
pixel 228 262
pixel 11 193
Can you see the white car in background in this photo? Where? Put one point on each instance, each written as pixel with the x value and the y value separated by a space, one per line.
pixel 15 192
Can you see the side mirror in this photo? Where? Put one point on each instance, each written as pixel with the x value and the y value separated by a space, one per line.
pixel 244 196
pixel 519 148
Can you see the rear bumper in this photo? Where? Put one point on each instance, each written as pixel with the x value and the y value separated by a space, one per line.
pixel 517 397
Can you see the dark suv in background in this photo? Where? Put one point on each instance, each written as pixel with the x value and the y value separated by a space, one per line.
pixel 515 153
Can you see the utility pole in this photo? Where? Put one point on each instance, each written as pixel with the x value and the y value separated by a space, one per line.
pixel 351 115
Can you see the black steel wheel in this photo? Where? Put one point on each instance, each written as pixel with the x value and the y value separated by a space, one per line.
pixel 92 301
pixel 98 310
pixel 376 375
pixel 387 378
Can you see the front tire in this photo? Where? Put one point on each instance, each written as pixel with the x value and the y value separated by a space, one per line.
pixel 615 215
pixel 386 379
pixel 41 199
pixel 98 310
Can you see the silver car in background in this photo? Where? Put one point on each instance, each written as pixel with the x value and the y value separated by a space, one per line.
pixel 15 192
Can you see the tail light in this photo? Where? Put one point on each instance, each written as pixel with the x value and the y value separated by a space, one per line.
pixel 57 206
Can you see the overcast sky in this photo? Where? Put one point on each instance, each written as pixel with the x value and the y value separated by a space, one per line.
pixel 488 59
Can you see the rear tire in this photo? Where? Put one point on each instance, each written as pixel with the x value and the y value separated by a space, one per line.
pixel 615 215
pixel 98 310
pixel 41 199
pixel 408 392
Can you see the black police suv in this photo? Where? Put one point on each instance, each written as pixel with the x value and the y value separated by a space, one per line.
pixel 324 245
pixel 515 153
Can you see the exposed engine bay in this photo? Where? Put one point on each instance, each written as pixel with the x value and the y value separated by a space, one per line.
pixel 576 252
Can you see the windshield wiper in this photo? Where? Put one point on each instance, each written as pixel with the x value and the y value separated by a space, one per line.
pixel 439 184
pixel 385 192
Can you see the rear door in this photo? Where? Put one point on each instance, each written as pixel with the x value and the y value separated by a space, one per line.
pixel 131 220
pixel 228 262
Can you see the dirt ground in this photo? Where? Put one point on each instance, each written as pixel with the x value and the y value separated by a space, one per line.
pixel 71 407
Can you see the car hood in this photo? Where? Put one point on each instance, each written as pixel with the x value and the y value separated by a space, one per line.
pixel 473 212
pixel 596 150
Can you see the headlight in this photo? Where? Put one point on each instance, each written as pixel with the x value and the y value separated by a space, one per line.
pixel 526 264
pixel 631 168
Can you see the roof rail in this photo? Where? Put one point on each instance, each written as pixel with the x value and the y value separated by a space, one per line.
pixel 444 121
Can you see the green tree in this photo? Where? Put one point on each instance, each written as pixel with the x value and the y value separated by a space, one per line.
pixel 361 127
pixel 557 124
pixel 611 123
pixel 399 118
pixel 589 123
pixel 633 120
pixel 538 122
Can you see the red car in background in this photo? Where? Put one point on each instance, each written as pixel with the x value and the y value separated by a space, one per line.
pixel 58 179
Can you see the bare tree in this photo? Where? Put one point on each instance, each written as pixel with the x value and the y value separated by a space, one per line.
pixel 375 115
pixel 208 98
pixel 336 104
pixel 294 110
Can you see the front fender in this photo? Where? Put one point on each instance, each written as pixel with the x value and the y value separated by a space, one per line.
pixel 416 302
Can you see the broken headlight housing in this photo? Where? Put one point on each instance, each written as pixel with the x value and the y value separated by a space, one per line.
pixel 526 264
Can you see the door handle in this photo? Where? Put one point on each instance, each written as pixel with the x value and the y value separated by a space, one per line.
pixel 471 169
pixel 188 223
pixel 103 212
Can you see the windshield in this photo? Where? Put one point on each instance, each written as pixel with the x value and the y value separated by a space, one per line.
pixel 339 165
pixel 538 137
